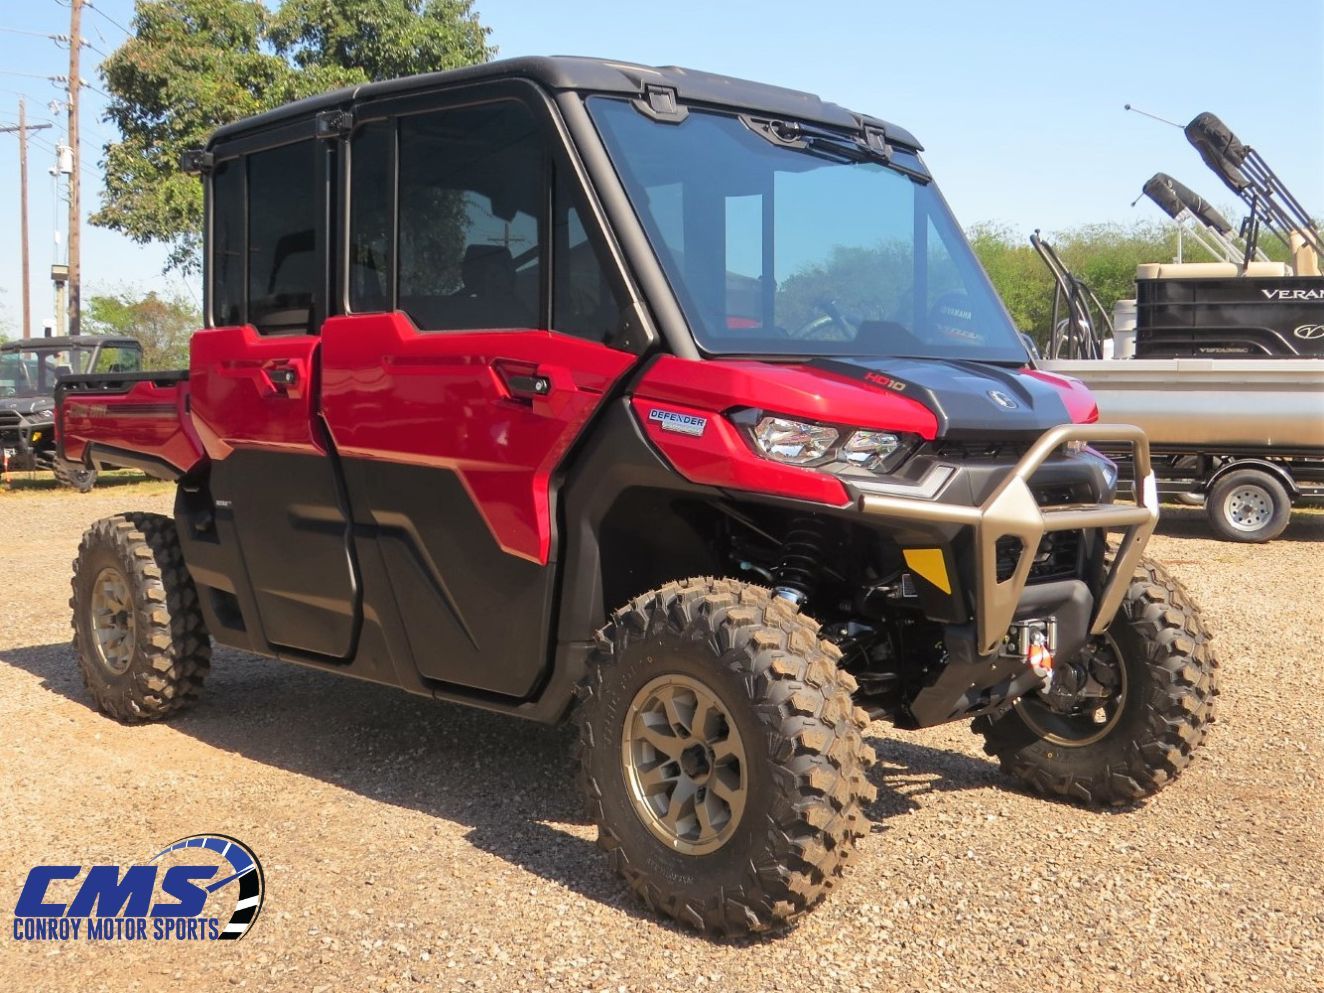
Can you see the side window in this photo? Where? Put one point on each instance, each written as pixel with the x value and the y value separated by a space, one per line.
pixel 584 302
pixel 471 198
pixel 227 243
pixel 372 190
pixel 113 358
pixel 284 261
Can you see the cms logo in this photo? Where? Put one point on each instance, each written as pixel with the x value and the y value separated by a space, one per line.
pixel 212 890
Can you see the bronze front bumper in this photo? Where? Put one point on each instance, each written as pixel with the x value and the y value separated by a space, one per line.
pixel 1013 511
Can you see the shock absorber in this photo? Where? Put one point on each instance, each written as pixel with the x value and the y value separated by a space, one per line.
pixel 796 575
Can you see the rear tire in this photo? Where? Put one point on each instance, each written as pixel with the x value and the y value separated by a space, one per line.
pixel 1248 505
pixel 777 832
pixel 1170 682
pixel 75 476
pixel 142 645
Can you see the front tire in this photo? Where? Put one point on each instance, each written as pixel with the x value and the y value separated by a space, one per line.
pixel 721 756
pixel 142 645
pixel 1167 679
pixel 77 477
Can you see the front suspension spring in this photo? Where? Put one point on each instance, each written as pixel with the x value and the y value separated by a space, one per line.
pixel 797 574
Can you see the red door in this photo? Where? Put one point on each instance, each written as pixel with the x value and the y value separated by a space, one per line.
pixel 449 442
pixel 254 407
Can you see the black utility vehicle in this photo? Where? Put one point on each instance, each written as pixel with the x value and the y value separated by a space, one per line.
pixel 29 371
pixel 671 403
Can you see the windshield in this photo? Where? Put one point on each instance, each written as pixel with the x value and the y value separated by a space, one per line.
pixel 779 250
pixel 32 372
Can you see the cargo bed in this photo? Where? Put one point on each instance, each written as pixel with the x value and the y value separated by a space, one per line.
pixel 127 420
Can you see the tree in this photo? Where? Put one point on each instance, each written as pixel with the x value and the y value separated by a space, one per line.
pixel 193 65
pixel 162 325
pixel 380 39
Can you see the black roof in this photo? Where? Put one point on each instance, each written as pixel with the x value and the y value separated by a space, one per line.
pixel 563 72
pixel 74 341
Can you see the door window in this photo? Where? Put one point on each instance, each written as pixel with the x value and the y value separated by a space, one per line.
pixel 451 221
pixel 371 221
pixel 227 244
pixel 471 199
pixel 584 300
pixel 266 255
pixel 283 257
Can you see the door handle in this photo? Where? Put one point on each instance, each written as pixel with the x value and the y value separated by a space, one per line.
pixel 285 375
pixel 522 380
pixel 529 387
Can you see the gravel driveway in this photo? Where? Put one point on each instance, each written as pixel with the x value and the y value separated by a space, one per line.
pixel 410 844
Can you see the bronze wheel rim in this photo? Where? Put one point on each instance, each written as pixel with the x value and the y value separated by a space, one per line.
pixel 1078 730
pixel 684 764
pixel 113 624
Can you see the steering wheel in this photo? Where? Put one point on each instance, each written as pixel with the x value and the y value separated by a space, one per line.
pixel 831 316
pixel 952 317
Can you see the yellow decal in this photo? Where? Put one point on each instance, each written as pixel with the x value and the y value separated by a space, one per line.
pixel 929 563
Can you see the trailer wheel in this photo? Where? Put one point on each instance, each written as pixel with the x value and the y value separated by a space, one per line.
pixel 1159 667
pixel 142 645
pixel 721 756
pixel 1248 505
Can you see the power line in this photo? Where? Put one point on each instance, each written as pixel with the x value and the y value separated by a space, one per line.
pixel 112 20
pixel 34 75
pixel 37 34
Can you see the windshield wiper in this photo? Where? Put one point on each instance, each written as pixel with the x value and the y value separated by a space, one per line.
pixel 828 144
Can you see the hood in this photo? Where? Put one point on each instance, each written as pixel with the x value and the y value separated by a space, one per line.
pixel 27 405
pixel 974 400
pixel 932 398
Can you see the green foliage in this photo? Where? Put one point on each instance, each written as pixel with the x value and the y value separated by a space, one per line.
pixel 162 325
pixel 856 279
pixel 1105 256
pixel 381 39
pixel 193 65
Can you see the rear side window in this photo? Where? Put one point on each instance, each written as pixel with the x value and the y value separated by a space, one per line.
pixel 267 262
pixel 113 358
pixel 227 244
pixel 371 210
pixel 283 255
pixel 471 207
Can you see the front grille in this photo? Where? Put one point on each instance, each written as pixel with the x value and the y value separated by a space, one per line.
pixel 1057 557
pixel 993 450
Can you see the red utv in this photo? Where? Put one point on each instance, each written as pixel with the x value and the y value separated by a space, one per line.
pixel 672 403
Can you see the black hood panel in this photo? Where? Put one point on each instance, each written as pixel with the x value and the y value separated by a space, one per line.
pixel 27 405
pixel 971 400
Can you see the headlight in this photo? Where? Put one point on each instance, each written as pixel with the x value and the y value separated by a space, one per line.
pixel 870 449
pixel 805 443
pixel 795 442
pixel 1109 466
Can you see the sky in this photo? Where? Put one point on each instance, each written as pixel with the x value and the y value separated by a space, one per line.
pixel 1018 103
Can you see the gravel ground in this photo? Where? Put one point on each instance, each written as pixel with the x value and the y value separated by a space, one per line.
pixel 407 842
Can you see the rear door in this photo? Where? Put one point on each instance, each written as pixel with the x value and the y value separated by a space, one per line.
pixel 253 386
pixel 478 344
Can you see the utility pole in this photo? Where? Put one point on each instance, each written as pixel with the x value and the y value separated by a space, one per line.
pixel 23 130
pixel 75 85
